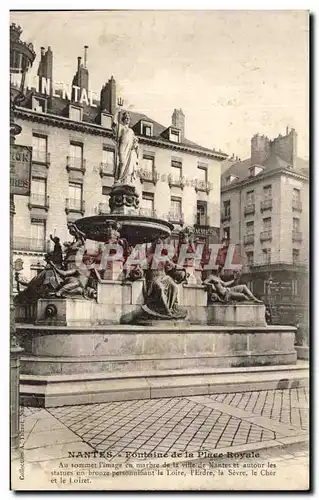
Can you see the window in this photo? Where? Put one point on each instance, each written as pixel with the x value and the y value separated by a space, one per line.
pixel 147 129
pixel 147 203
pixel 76 155
pixel 267 192
pixel 39 148
pixel 295 256
pixel 148 164
pixel 267 224
pixel 202 174
pixel 108 157
pixel 250 227
pixel 75 113
pixel 201 216
pixel 296 195
pixel 296 224
pixel 176 169
pixel 176 206
pixel 38 191
pixel 250 197
pixel 250 258
pixel 39 104
pixel 75 196
pixel 37 235
pixel 174 135
pixel 266 256
pixel 227 208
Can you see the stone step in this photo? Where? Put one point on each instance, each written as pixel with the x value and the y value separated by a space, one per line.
pixel 59 390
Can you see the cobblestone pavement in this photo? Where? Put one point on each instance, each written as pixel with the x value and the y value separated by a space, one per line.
pixel 190 424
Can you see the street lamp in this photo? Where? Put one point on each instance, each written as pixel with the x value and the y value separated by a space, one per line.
pixel 22 56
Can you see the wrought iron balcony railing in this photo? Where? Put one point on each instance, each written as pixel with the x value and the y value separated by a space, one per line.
pixel 39 201
pixel 148 175
pixel 249 239
pixel 266 235
pixel 249 209
pixel 29 244
pixel 42 157
pixel 266 205
pixel 74 205
pixel 296 236
pixel 176 218
pixel 147 212
pixel 203 186
pixel 176 181
pixel 78 164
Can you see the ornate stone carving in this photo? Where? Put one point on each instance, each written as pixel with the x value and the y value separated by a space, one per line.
pixel 123 198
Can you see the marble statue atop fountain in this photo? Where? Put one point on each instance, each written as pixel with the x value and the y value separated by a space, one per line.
pixel 124 198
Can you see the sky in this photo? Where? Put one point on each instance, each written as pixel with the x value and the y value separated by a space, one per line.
pixel 233 73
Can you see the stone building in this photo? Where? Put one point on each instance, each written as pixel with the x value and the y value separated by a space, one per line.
pixel 264 209
pixel 73 159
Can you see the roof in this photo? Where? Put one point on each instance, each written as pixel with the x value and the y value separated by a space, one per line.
pixel 91 114
pixel 240 169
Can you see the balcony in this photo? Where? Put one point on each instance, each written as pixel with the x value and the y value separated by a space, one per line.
pixel 266 235
pixel 29 244
pixel 148 175
pixel 225 216
pixel 147 212
pixel 249 239
pixel 39 201
pixel 77 164
pixel 74 206
pixel 176 181
pixel 104 209
pixel 202 186
pixel 176 218
pixel 106 170
pixel 266 205
pixel 41 157
pixel 249 209
pixel 296 236
pixel 296 205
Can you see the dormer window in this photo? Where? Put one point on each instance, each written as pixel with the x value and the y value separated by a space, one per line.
pixel 106 120
pixel 255 170
pixel 230 178
pixel 75 113
pixel 174 135
pixel 146 128
pixel 39 104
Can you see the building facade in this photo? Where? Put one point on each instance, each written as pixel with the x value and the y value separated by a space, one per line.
pixel 73 155
pixel 264 209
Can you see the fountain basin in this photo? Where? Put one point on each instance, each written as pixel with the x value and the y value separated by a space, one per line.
pixel 135 228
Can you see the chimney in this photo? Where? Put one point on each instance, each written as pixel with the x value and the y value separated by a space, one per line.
pixel 260 149
pixel 45 68
pixel 178 121
pixel 85 56
pixel 108 96
pixel 81 77
pixel 286 147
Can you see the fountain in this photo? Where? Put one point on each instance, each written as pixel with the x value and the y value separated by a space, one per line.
pixel 138 324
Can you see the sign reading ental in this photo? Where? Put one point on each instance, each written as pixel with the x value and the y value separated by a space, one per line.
pixel 20 169
pixel 62 90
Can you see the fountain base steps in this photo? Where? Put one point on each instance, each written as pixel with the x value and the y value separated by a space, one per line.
pixel 59 390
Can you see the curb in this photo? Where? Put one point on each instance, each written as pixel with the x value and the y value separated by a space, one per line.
pixel 222 453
